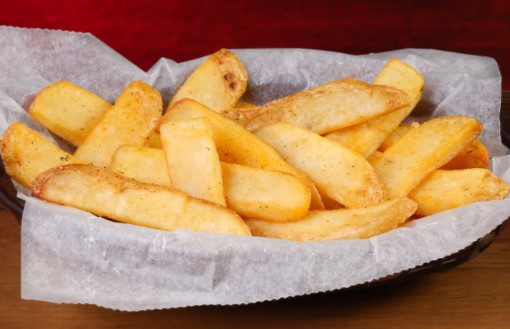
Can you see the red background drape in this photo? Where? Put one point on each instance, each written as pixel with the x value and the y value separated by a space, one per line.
pixel 144 31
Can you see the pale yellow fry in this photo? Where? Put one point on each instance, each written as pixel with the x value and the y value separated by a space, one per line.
pixel 237 145
pixel 448 189
pixel 474 155
pixel 218 82
pixel 145 164
pixel 251 192
pixel 192 161
pixel 68 110
pixel 26 154
pixel 338 172
pixel 265 194
pixel 123 199
pixel 359 223
pixel 131 121
pixel 331 106
pixel 366 137
pixel 405 164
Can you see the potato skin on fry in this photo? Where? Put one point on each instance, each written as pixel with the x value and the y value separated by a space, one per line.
pixel 359 223
pixel 331 106
pixel 241 113
pixel 218 82
pixel 111 195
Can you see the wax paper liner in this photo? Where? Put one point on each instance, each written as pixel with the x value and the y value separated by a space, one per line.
pixel 71 256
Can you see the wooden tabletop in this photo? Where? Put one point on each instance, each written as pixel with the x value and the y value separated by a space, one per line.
pixel 475 294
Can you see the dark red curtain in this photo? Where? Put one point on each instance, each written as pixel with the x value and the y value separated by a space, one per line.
pixel 144 31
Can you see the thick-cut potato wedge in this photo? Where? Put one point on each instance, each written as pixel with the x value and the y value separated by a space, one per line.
pixel 218 82
pixel 26 154
pixel 237 145
pixel 405 164
pixel 131 121
pixel 447 189
pixel 265 194
pixel 251 192
pixel 474 155
pixel 68 110
pixel 360 223
pixel 366 137
pixel 341 174
pixel 105 193
pixel 145 164
pixel 331 106
pixel 192 161
pixel 401 75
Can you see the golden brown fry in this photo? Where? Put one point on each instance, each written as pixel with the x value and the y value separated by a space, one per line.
pixel 192 161
pixel 251 192
pixel 366 137
pixel 405 164
pixel 217 83
pixel 237 145
pixel 68 110
pixel 474 155
pixel 448 189
pixel 338 172
pixel 328 107
pixel 107 194
pixel 241 113
pixel 359 223
pixel 26 154
pixel 131 121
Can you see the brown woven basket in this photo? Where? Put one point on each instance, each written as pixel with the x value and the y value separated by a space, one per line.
pixel 8 197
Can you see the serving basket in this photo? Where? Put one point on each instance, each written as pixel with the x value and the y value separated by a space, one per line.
pixel 8 197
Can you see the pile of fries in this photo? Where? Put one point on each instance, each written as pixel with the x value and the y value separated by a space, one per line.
pixel 331 162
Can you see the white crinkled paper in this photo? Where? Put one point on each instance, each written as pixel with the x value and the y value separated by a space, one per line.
pixel 71 256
